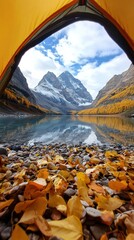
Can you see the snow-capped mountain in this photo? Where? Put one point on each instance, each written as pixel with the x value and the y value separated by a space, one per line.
pixel 63 93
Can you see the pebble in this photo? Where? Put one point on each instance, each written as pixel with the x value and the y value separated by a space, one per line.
pixel 5 234
pixel 98 230
pixel 92 212
pixel 70 192
pixel 3 151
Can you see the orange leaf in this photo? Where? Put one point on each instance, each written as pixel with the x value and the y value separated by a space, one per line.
pixel 108 203
pixel 74 207
pixel 69 228
pixel 104 237
pixel 21 206
pixel 117 185
pixel 35 209
pixel 131 185
pixel 5 204
pixel 96 187
pixel 43 173
pixel 19 233
pixel 107 217
pixel 43 226
pixel 82 177
pixel 31 189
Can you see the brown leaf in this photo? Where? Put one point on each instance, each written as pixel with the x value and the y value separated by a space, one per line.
pixel 19 233
pixel 74 207
pixel 69 228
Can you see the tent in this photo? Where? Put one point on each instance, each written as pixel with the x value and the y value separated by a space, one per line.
pixel 24 23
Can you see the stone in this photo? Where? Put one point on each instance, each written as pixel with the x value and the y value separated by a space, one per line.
pixel 3 151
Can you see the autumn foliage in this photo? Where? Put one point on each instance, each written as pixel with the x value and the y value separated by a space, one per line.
pixel 40 204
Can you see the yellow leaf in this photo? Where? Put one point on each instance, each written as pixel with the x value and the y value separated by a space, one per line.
pixel 74 207
pixel 82 177
pixel 108 203
pixel 5 204
pixel 117 185
pixel 34 210
pixel 111 154
pixel 60 185
pixel 43 226
pixel 69 229
pixel 83 195
pixel 20 174
pixel 58 202
pixel 19 233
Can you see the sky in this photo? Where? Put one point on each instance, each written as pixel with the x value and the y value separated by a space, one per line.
pixel 84 49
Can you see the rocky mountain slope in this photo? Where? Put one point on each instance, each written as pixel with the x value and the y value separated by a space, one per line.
pixel 63 93
pixel 116 97
pixel 18 98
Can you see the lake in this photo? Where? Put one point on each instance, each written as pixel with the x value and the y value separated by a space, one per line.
pixel 67 129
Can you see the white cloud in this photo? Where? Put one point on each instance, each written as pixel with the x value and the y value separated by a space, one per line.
pixel 94 78
pixel 85 40
pixel 34 65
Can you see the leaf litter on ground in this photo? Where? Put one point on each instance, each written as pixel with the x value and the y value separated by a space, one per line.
pixel 52 192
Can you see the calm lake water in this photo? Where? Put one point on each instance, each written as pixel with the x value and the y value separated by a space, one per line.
pixel 67 129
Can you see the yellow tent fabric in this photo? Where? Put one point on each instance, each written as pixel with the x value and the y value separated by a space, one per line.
pixel 24 23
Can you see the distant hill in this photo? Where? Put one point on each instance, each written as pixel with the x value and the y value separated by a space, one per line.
pixel 18 98
pixel 116 97
pixel 63 93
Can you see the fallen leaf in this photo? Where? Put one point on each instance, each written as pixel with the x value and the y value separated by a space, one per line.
pixel 107 217
pixel 69 228
pixel 43 226
pixel 37 208
pixel 5 204
pixel 32 190
pixel 111 154
pixel 19 233
pixel 74 207
pixel 21 206
pixel 96 187
pixel 41 181
pixel 117 185
pixel 130 236
pixel 104 237
pixel 108 203
pixel 43 173
pixel 83 195
pixel 125 221
pixel 60 185
pixel 58 202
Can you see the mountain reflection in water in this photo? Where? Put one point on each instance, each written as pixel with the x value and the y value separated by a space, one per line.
pixel 67 129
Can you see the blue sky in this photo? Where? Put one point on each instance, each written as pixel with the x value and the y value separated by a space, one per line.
pixel 82 48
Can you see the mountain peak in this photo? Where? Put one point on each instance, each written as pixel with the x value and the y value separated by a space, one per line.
pixel 64 91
